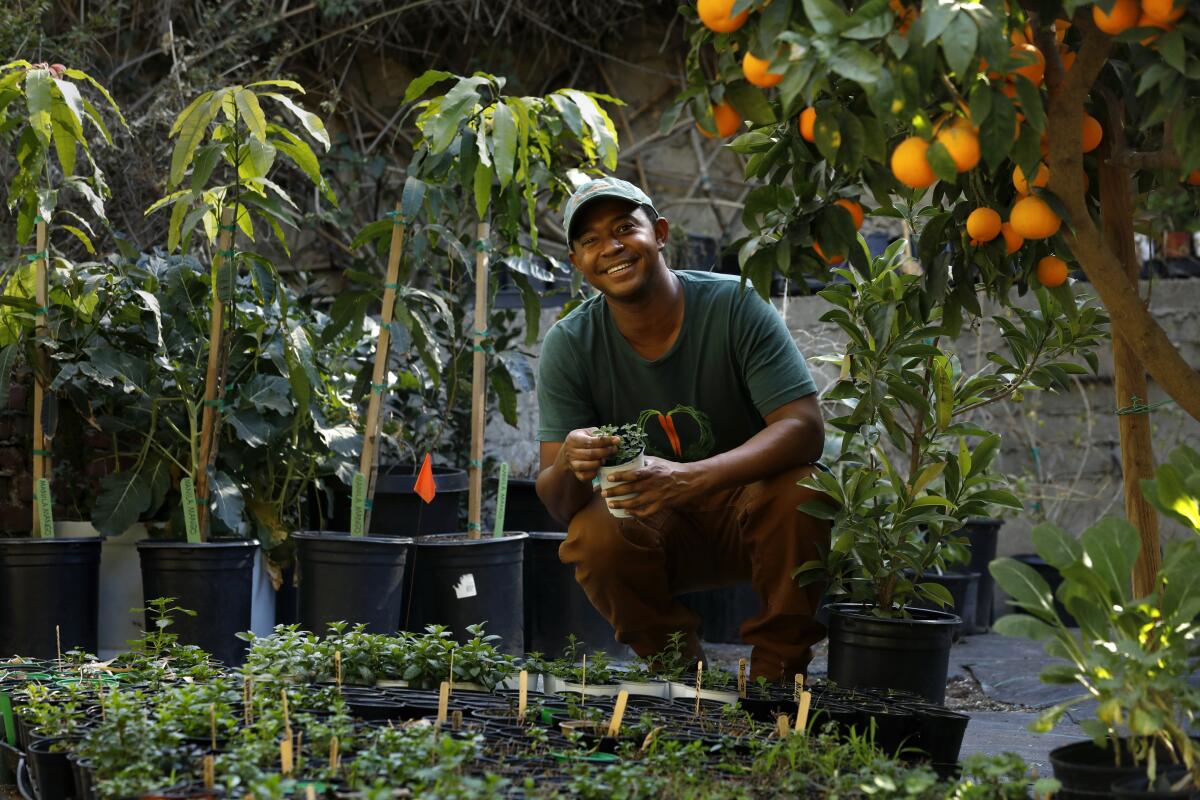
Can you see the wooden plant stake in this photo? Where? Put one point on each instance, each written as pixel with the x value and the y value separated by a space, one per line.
pixel 310 792
pixel 741 677
pixel 456 719
pixel 699 678
pixel 42 467
pixel 443 702
pixel 802 712
pixel 370 450
pixel 799 690
pixel 583 683
pixel 337 667
pixel 501 501
pixel 209 772
pixel 58 643
pixel 214 380
pixel 285 745
pixel 614 725
pixel 334 755
pixel 781 726
pixel 212 724
pixel 478 389
pixel 522 695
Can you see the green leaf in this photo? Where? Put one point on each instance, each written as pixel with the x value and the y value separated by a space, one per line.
pixel 1025 586
pixel 996 137
pixel 959 42
pixel 311 122
pixel 191 132
pixel 250 427
pixel 1023 626
pixel 750 102
pixel 1055 546
pixel 506 395
pixel 122 500
pixel 937 593
pixel 251 113
pixel 205 163
pixel 411 198
pixel 38 101
pixel 281 82
pixel 853 61
pixel 81 236
pixel 268 393
pixel 824 16
pixel 483 189
pixel 504 143
pixel 1031 105
pixel 942 163
pixel 1111 546
pixel 226 500
pixel 421 84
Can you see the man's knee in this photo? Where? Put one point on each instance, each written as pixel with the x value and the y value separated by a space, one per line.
pixel 594 542
pixel 785 488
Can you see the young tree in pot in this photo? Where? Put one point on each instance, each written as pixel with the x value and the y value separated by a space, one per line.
pixel 912 466
pixel 1133 655
pixel 44 108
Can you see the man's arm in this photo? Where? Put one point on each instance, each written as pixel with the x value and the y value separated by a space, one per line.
pixel 794 436
pixel 564 483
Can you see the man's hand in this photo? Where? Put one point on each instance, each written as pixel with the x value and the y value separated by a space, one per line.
pixel 583 453
pixel 659 485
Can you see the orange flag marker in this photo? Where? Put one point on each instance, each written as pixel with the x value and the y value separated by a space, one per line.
pixel 425 486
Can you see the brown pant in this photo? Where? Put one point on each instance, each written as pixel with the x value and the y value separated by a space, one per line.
pixel 632 569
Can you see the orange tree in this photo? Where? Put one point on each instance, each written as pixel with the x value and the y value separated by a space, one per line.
pixel 936 110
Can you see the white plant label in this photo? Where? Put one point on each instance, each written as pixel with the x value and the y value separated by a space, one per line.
pixel 465 587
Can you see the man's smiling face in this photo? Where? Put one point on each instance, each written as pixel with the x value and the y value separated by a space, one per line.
pixel 616 246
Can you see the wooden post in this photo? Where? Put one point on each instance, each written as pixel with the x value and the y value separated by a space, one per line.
pixel 1129 376
pixel 478 388
pixel 214 380
pixel 370 450
pixel 41 375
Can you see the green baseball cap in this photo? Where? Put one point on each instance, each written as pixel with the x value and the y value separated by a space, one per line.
pixel 602 187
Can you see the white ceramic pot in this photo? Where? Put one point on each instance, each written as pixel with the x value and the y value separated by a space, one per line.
pixel 605 483
pixel 660 689
pixel 685 691
pixel 556 685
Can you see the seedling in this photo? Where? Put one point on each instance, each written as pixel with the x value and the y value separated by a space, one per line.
pixel 632 441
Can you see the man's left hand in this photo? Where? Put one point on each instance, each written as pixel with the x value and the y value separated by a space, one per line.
pixel 659 485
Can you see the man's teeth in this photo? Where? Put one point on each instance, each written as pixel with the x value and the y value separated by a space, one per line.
pixel 618 268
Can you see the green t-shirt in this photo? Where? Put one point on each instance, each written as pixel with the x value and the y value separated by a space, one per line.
pixel 733 362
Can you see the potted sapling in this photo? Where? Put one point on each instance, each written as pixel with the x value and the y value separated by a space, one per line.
pixel 631 454
pixel 590 675
pixel 652 676
pixel 712 683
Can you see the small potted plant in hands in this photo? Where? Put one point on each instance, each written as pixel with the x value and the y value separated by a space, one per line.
pixel 630 455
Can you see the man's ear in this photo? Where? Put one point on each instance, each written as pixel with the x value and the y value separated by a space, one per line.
pixel 662 229
pixel 571 257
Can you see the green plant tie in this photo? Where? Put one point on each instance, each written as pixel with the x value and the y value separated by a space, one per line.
pixel 46 453
pixel 474 526
pixel 42 311
pixel 397 217
pixel 483 348
pixel 378 388
pixel 227 253
pixel 38 218
pixel 1136 406
pixel 218 404
pixel 367 504
pixel 476 463
pixel 200 501
pixel 481 246
pixel 230 227
pixel 41 254
pixel 395 286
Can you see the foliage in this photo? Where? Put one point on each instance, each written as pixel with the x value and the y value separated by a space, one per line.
pixel 631 444
pixel 1133 655
pixel 577 666
pixel 912 466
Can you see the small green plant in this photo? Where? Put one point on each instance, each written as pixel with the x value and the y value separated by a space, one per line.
pixel 632 442
pixel 570 667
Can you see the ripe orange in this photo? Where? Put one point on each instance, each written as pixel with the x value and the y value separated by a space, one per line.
pixel 1165 11
pixel 1033 218
pixel 714 14
pixel 1092 133
pixel 856 211
pixel 910 165
pixel 1022 35
pixel 808 119
pixel 1060 29
pixel 1124 15
pixel 1034 62
pixel 1040 179
pixel 983 224
pixel 1012 240
pixel 726 117
pixel 961 139
pixel 755 70
pixel 1051 271
pixel 835 259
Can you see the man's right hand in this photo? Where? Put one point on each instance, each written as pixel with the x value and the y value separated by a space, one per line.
pixel 583 453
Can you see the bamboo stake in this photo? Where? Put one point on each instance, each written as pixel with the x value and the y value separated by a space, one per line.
pixel 370 450
pixel 41 446
pixel 478 389
pixel 214 388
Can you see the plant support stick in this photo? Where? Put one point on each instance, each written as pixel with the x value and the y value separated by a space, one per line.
pixel 41 444
pixel 478 388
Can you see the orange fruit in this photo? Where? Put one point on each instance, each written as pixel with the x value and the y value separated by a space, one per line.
pixel 715 16
pixel 961 139
pixel 856 211
pixel 1022 35
pixel 1068 60
pixel 1122 17
pixel 1040 179
pixel 1012 240
pixel 1193 178
pixel 1051 271
pixel 1092 133
pixel 910 165
pixel 1164 11
pixel 1033 218
pixel 983 224
pixel 808 119
pixel 1060 29
pixel 1034 62
pixel 727 119
pixel 836 259
pixel 755 70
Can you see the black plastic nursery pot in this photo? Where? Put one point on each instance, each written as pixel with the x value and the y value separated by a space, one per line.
pixel 555 604
pixel 983 533
pixel 524 510
pixel 910 654
pixel 964 588
pixel 356 579
pixel 396 509
pixel 49 771
pixel 44 584
pixel 457 581
pixel 214 579
pixel 723 610
pixel 1139 788
pixel 1088 772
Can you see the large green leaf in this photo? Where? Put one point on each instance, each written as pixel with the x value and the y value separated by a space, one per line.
pixel 38 101
pixel 1110 548
pixel 123 498
pixel 311 122
pixel 268 393
pixel 1025 586
pixel 604 133
pixel 226 501
pixel 504 143
pixel 252 114
pixel 191 133
pixel 1053 544
pixel 1023 626
pixel 421 83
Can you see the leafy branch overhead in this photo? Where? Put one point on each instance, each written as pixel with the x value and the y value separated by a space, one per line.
pixel 229 125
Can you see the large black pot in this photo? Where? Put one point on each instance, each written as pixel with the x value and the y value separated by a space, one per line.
pixel 983 534
pixel 214 579
pixel 1139 788
pixel 524 510
pixel 49 770
pixel 1088 772
pixel 556 606
pixel 48 583
pixel 722 611
pixel 397 510
pixel 911 654
pixel 355 579
pixel 457 581
pixel 964 588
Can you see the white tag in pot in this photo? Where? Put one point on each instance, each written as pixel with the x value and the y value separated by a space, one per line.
pixel 606 483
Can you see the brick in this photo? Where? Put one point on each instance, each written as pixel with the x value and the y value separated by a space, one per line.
pixel 12 459
pixel 17 396
pixel 24 486
pixel 15 518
